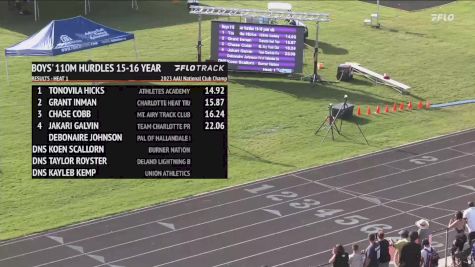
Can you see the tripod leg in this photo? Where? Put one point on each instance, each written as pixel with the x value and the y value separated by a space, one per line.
pixel 336 127
pixel 333 136
pixel 321 126
pixel 357 125
pixel 330 128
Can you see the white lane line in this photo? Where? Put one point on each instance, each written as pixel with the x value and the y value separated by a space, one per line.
pixel 56 238
pixel 469 187
pixel 348 244
pixel 136 240
pixel 363 196
pixel 320 236
pixel 396 168
pixel 168 225
pixel 182 228
pixel 96 257
pixel 225 189
pixel 167 218
pixel 152 236
pixel 362 240
pixel 275 212
pixel 377 200
pixel 319 207
pixel 386 164
pixel 463 152
pixel 77 248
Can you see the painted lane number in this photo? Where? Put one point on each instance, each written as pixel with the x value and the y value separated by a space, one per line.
pixel 259 189
pixel 423 160
pixel 305 204
pixel 327 212
pixel 350 220
pixel 374 228
pixel 283 194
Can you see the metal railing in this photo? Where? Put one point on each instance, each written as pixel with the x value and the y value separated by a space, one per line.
pixel 445 253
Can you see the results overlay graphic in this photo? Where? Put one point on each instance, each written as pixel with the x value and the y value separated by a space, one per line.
pixel 129 131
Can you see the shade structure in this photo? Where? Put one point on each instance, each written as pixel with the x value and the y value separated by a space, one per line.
pixel 67 36
pixel 87 7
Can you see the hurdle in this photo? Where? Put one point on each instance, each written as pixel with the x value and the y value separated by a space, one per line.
pixel 378 78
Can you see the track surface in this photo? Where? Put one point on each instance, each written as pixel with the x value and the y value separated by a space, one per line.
pixel 288 220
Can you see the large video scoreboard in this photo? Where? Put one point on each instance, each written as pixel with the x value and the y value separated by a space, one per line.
pixel 258 47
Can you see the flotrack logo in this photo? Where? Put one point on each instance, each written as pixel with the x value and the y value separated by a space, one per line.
pixel 443 17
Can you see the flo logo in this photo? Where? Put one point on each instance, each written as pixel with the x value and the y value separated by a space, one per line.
pixel 443 17
pixel 65 39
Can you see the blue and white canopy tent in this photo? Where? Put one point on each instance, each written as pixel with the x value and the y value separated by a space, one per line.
pixel 67 36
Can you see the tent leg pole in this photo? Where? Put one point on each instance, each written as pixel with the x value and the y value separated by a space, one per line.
pixel 36 8
pixel 377 18
pixel 6 69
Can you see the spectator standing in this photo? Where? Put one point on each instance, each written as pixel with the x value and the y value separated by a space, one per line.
pixel 400 244
pixel 356 258
pixel 423 229
pixel 371 256
pixel 458 224
pixel 469 216
pixel 460 257
pixel 457 252
pixel 384 256
pixel 411 252
pixel 339 257
pixel 430 258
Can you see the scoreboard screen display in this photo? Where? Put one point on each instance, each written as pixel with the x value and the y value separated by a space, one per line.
pixel 258 47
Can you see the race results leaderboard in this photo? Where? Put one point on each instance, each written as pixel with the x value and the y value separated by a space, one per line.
pixel 88 123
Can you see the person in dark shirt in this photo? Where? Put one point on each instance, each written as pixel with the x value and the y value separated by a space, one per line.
pixel 411 253
pixel 384 256
pixel 371 256
pixel 339 257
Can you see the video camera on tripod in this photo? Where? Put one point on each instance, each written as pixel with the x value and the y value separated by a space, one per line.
pixel 340 111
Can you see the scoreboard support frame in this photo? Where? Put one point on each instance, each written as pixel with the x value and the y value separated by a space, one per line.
pixel 315 77
pixel 276 15
pixel 199 45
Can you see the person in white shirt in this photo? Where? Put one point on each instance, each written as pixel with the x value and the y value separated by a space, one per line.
pixel 356 258
pixel 469 216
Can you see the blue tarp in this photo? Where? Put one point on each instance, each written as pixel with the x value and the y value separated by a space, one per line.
pixel 67 36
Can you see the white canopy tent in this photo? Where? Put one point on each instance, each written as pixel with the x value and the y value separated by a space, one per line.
pixel 87 7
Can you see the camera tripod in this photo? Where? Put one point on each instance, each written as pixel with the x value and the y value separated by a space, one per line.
pixel 330 122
